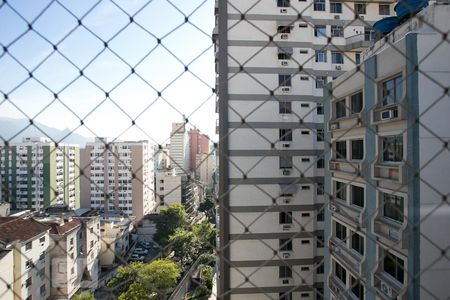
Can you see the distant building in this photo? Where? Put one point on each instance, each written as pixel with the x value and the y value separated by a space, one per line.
pixel 168 188
pixel 28 240
pixel 4 209
pixel 199 144
pixel 118 176
pixel 38 173
pixel 179 149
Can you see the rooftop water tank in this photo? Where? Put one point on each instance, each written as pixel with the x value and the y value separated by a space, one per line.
pixel 407 8
pixel 386 25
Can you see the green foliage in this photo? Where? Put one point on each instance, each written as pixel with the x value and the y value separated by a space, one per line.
pixel 168 221
pixel 207 205
pixel 207 259
pixel 159 276
pixel 206 275
pixel 201 291
pixel 137 291
pixel 206 234
pixel 185 244
pixel 83 297
pixel 125 274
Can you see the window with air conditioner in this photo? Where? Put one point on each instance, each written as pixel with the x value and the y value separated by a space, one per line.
pixel 340 231
pixel 340 191
pixel 394 266
pixel 340 272
pixel 285 135
pixel 336 7
pixel 392 90
pixel 357 147
pixel 357 242
pixel 392 147
pixel 285 245
pixel 285 107
pixel 393 207
pixel 337 58
pixel 285 217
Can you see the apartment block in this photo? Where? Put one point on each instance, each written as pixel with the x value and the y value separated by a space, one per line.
pixel 38 173
pixel 179 149
pixel 28 240
pixel 118 176
pixel 7 277
pixel 273 60
pixel 168 188
pixel 386 225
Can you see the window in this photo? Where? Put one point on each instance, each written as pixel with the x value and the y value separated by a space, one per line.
pixel 285 217
pixel 285 107
pixel 337 58
pixel 285 296
pixel 42 255
pixel 92 244
pixel 384 9
pixel 320 188
pixel 394 266
pixel 341 110
pixel 340 272
pixel 341 190
pixel 305 159
pixel 341 149
pixel 369 34
pixel 357 243
pixel 43 290
pixel 28 264
pixel 335 7
pixel 285 162
pixel 285 245
pixel 285 135
pixel 285 53
pixel 319 5
pixel 28 246
pixel 356 103
pixel 320 30
pixel 304 132
pixel 319 109
pixel 393 207
pixel 304 295
pixel 319 136
pixel 285 272
pixel 357 288
pixel 305 242
pixel 284 29
pixel 392 90
pixel 304 105
pixel 321 82
pixel 357 196
pixel 28 282
pixel 284 80
pixel 71 241
pixel 320 241
pixel 341 231
pixel 42 240
pixel 320 269
pixel 283 3
pixel 392 148
pixel 306 187
pixel 357 149
pixel 41 273
pixel 337 31
pixel 360 8
pixel 321 56
pixel 357 58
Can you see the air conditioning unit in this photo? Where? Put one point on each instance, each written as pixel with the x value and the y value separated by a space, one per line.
pixel 337 17
pixel 386 289
pixel 285 89
pixel 286 227
pixel 284 63
pixel 338 68
pixel 334 126
pixel 286 255
pixel 283 11
pixel 286 172
pixel 285 281
pixel 387 114
pixel 286 145
pixel 334 208
pixel 361 17
pixel 284 36
pixel 286 200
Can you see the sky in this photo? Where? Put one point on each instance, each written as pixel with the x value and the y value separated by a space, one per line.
pixel 132 46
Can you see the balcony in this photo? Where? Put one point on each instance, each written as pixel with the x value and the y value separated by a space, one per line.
pixel 390 232
pixel 358 41
pixel 345 123
pixel 345 166
pixel 348 257
pixel 357 216
pixel 339 290
pixel 388 288
pixel 394 172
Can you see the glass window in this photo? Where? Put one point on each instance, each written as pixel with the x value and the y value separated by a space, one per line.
pixel 285 162
pixel 357 243
pixel 42 290
pixel 341 149
pixel 28 264
pixel 335 7
pixel 285 217
pixel 321 82
pixel 384 9
pixel 320 30
pixel 369 34
pixel 284 80
pixel 285 135
pixel 341 231
pixel 393 207
pixel 319 5
pixel 360 8
pixel 341 190
pixel 283 3
pixel 392 148
pixel 319 137
pixel 285 107
pixel 392 90
pixel 341 110
pixel 319 109
pixel 340 272
pixel 284 29
pixel 321 56
pixel 28 246
pixel 337 58
pixel 357 149
pixel 285 244
pixel 356 103
pixel 285 53
pixel 28 282
pixel 357 58
pixel 285 272
pixel 357 195
pixel 394 266
pixel 320 163
pixel 320 188
pixel 285 296
pixel 337 31
pixel 320 269
pixel 320 241
pixel 357 288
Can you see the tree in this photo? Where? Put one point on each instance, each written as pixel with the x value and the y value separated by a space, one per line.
pixel 168 221
pixel 84 297
pixel 207 259
pixel 206 234
pixel 160 276
pixel 206 275
pixel 125 275
pixel 207 205
pixel 185 244
pixel 137 291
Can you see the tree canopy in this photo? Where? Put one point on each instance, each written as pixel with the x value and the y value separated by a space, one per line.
pixel 168 221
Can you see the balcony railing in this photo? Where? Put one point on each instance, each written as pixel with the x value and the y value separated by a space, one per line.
pixel 387 287
pixel 347 256
pixel 395 172
pixel 357 216
pixel 390 232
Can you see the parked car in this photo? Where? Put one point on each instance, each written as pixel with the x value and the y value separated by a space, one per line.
pixel 136 257
pixel 145 244
pixel 140 251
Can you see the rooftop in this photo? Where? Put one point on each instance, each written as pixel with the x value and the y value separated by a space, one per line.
pixel 22 229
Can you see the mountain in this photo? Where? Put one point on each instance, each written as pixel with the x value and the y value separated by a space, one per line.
pixel 10 127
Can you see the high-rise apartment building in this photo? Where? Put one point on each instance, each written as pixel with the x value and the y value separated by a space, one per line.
pixel 199 144
pixel 388 215
pixel 38 173
pixel 118 176
pixel 179 149
pixel 274 58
